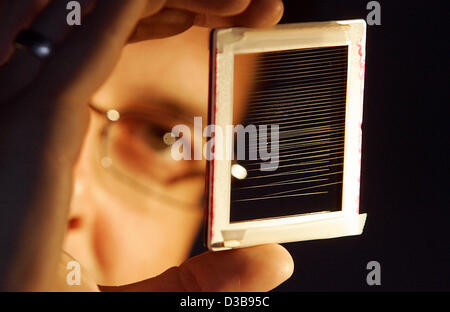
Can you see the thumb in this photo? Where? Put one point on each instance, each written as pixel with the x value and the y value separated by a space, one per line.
pixel 259 268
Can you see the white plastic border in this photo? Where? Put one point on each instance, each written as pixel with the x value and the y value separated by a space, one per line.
pixel 226 43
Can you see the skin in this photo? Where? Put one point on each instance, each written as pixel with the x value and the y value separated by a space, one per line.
pixel 56 199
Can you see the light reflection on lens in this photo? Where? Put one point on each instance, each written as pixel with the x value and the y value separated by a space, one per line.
pixel 238 172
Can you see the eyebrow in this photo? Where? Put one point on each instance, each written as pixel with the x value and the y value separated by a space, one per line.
pixel 163 104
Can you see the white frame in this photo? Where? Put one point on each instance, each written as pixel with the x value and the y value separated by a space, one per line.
pixel 226 43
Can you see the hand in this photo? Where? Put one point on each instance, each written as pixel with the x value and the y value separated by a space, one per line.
pixel 44 119
pixel 159 18
pixel 259 268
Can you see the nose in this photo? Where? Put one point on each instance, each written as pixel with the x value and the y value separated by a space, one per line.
pixel 80 225
pixel 81 214
pixel 78 215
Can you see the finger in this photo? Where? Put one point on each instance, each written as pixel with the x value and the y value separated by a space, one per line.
pixel 259 268
pixel 153 7
pixel 166 23
pixel 86 58
pixel 213 7
pixel 15 16
pixel 52 23
pixel 18 72
pixel 261 13
pixel 23 67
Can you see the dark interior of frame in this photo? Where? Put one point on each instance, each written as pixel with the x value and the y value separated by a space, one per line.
pixel 304 92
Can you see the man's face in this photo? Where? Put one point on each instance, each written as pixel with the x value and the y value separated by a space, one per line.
pixel 122 228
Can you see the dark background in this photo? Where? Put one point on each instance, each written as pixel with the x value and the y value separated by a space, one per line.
pixel 404 188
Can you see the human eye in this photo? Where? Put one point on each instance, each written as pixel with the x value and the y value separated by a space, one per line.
pixel 144 136
pixel 153 135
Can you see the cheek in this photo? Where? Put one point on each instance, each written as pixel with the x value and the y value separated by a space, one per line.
pixel 132 244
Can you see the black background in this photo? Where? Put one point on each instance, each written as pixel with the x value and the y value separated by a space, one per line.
pixel 404 188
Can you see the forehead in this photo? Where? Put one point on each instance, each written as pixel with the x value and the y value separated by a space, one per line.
pixel 172 70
